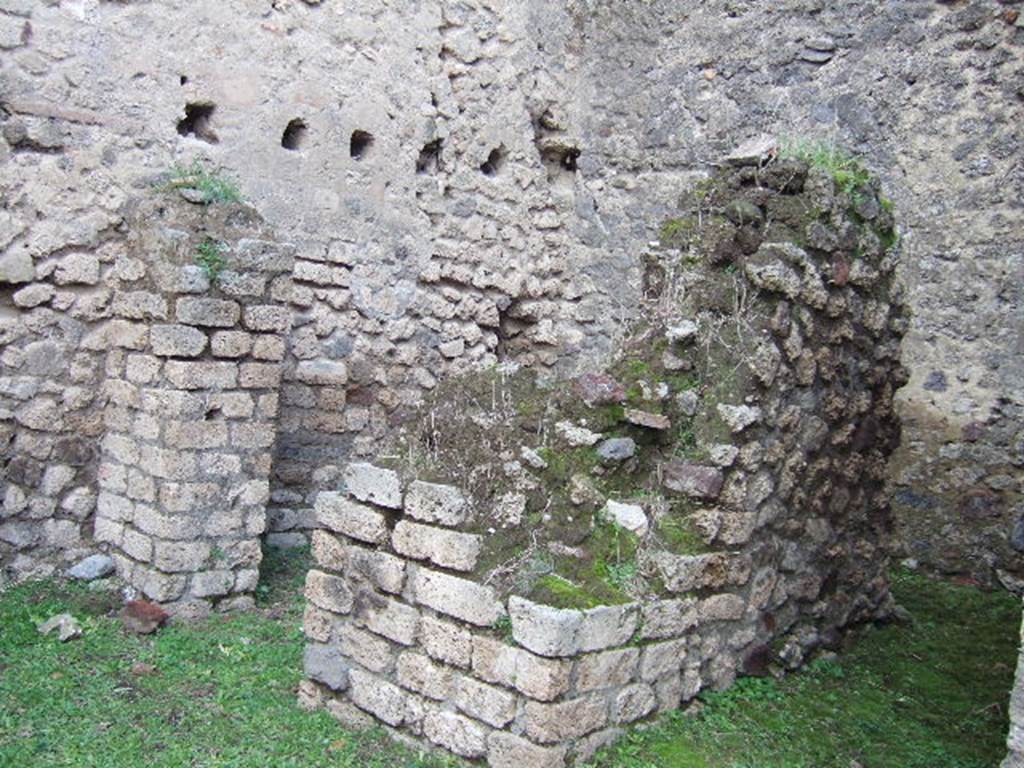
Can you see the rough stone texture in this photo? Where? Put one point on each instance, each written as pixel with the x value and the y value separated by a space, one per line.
pixel 536 261
pixel 780 530
pixel 185 455
pixel 421 256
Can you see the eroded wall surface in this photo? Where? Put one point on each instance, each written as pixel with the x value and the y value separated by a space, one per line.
pixel 472 181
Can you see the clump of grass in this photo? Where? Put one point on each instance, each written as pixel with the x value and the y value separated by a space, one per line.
pixel 210 257
pixel 847 171
pixel 503 626
pixel 211 184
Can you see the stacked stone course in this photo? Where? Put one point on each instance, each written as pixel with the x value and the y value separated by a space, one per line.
pixel 396 630
pixel 192 391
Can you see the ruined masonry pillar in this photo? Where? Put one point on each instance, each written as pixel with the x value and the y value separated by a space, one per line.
pixel 192 400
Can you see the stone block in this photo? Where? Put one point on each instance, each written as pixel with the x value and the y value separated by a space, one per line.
pixel 212 313
pixel 142 369
pixel 230 405
pixel 116 333
pixel 136 545
pixel 156 523
pixel 484 702
pixel 722 607
pixel 587 747
pixel 357 521
pixel 506 750
pixel 329 592
pixel 325 373
pixel 374 484
pixel 111 506
pixel 452 596
pixel 328 552
pixel 270 348
pixel 418 673
pixel 389 618
pixel 120 448
pixel 318 624
pixel 231 344
pixel 446 642
pixel 61 534
pixel 667 618
pixel 694 480
pixel 33 295
pixel 433 503
pixel 631 517
pixel 160 587
pixel 180 556
pixel 660 660
pixel 195 434
pixel 78 269
pixel 553 723
pixel 385 572
pixel 377 696
pixel 633 702
pixel 366 649
pixel 449 549
pixel 539 678
pixel 139 305
pixel 267 317
pixel 212 583
pixel 259 375
pixel 607 626
pixel 252 435
pixel 456 733
pixel 325 664
pixel 609 669
pixel 201 375
pixel 240 285
pixel 544 630
pixel 15 264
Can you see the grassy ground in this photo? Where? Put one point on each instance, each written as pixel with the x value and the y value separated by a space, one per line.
pixel 927 695
pixel 931 694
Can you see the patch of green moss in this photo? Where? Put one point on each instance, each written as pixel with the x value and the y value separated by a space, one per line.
pixel 676 233
pixel 559 592
pixel 599 577
pixel 678 534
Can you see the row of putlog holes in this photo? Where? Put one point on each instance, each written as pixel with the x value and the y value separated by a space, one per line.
pixel 198 123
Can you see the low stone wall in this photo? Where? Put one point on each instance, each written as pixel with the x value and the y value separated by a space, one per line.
pixel 395 632
pixel 192 380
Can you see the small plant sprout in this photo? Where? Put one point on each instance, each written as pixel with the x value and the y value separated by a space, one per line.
pixel 211 185
pixel 210 257
pixel 847 171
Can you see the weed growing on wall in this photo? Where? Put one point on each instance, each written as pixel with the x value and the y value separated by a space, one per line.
pixel 210 256
pixel 847 171
pixel 212 185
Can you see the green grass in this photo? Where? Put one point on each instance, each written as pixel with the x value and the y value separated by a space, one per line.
pixel 211 184
pixel 931 694
pixel 847 171
pixel 223 694
pixel 210 256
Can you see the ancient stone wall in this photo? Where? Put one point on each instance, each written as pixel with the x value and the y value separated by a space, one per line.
pixel 192 389
pixel 710 505
pixel 469 182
